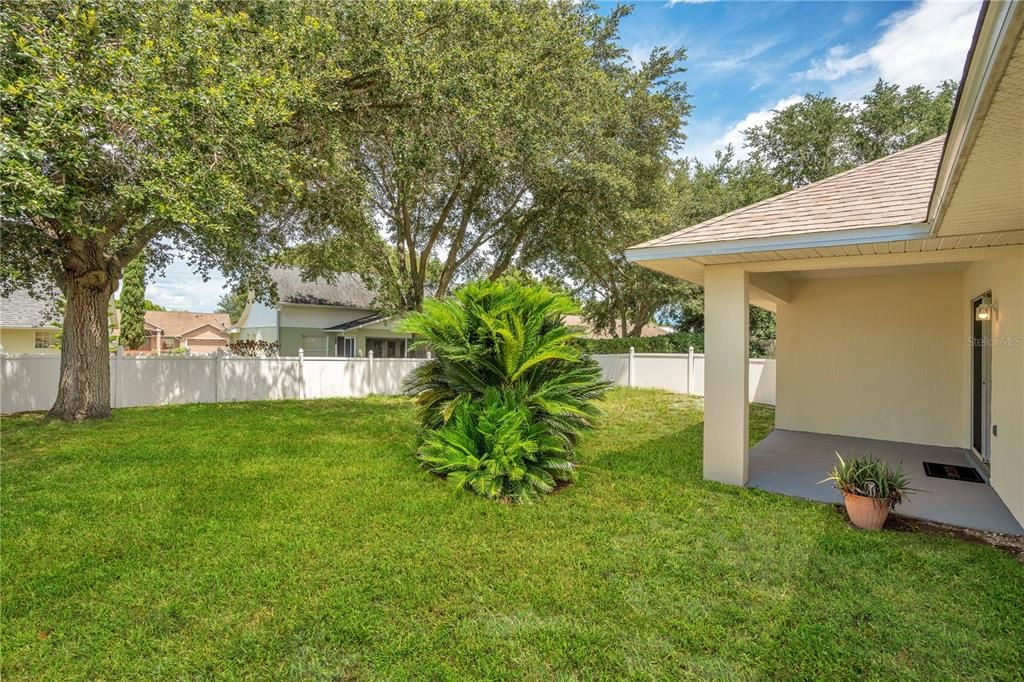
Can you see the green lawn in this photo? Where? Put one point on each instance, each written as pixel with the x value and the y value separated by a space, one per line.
pixel 301 540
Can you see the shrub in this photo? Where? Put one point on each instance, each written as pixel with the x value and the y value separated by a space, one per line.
pixel 491 448
pixel 504 341
pixel 254 349
pixel 677 342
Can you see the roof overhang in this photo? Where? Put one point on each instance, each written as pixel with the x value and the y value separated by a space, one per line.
pixel 358 323
pixel 996 41
pixel 868 235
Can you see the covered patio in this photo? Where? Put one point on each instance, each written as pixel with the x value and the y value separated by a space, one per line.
pixel 794 462
pixel 898 288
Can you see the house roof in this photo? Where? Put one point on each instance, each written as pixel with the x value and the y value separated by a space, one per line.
pixel 346 291
pixel 591 333
pixel 893 191
pixel 175 323
pixel 21 310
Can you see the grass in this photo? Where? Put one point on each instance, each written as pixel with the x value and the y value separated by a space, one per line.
pixel 300 540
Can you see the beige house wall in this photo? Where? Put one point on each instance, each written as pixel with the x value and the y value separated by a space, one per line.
pixel 23 341
pixel 1005 279
pixel 874 356
pixel 888 356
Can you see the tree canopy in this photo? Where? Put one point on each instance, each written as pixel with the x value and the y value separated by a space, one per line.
pixel 524 125
pixel 820 136
pixel 156 125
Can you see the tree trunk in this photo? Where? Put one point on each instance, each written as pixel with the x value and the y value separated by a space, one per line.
pixel 83 390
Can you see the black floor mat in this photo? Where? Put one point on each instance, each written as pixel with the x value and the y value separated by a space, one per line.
pixel 952 471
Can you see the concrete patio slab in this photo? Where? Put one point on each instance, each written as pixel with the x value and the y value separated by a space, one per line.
pixel 793 462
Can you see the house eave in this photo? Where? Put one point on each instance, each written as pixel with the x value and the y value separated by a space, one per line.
pixel 334 328
pixel 991 50
pixel 807 240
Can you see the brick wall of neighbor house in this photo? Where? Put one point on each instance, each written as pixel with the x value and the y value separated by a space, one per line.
pixel 874 356
pixel 1004 277
pixel 22 341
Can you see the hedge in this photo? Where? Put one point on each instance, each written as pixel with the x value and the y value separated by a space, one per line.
pixel 677 342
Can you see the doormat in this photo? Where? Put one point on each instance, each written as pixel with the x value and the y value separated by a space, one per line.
pixel 952 471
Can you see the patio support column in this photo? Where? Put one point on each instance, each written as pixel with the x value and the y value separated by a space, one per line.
pixel 726 328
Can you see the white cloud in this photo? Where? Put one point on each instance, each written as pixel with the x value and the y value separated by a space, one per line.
pixel 837 64
pixel 734 135
pixel 742 59
pixel 689 2
pixel 925 44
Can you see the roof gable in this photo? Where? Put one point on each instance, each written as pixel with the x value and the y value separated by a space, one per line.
pixel 176 323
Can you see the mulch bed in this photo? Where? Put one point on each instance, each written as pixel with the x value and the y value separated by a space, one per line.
pixel 1011 544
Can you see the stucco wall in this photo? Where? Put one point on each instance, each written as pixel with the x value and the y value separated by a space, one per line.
pixel 875 356
pixel 1005 279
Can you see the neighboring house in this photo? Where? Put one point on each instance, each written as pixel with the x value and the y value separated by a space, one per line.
pixel 592 333
pixel 200 333
pixel 323 319
pixel 27 325
pixel 899 293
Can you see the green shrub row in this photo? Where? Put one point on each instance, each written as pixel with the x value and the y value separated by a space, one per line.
pixel 677 342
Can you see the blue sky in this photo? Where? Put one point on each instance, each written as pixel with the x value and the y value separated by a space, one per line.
pixel 745 59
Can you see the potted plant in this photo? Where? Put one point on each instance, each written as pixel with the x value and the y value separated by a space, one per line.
pixel 870 487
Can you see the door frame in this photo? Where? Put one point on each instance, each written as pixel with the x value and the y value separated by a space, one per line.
pixel 981 383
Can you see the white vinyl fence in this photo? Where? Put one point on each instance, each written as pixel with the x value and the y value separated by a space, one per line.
pixel 29 382
pixel 682 373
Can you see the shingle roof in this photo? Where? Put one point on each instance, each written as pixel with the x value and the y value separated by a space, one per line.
pixel 21 310
pixel 347 291
pixel 175 323
pixel 891 191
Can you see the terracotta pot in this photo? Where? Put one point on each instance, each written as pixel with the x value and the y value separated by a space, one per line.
pixel 866 512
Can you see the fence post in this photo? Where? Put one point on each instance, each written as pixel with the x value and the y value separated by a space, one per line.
pixel 689 371
pixel 369 372
pixel 118 400
pixel 302 375
pixel 629 369
pixel 216 376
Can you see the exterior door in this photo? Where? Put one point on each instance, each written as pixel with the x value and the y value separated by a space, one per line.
pixel 981 380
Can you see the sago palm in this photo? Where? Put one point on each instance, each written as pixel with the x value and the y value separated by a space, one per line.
pixel 510 336
pixel 502 348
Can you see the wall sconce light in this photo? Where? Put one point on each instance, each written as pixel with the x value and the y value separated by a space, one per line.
pixel 985 312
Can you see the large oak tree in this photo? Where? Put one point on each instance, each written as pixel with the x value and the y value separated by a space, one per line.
pixel 521 118
pixel 157 125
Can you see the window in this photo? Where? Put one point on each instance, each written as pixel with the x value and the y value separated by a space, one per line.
pixel 345 347
pixel 386 348
pixel 46 340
